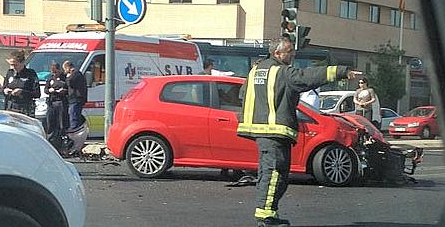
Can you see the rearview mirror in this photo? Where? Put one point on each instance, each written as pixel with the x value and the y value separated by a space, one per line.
pixel 89 78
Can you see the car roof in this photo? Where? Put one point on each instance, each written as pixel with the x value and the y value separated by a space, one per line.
pixel 175 78
pixel 337 92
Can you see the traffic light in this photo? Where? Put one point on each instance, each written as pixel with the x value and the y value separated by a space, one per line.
pixel 302 32
pixel 289 24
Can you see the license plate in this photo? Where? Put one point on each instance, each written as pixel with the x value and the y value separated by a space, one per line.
pixel 400 129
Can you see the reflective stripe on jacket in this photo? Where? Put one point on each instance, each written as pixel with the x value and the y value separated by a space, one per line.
pixel 271 94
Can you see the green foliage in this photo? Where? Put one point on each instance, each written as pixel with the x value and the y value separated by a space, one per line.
pixel 388 80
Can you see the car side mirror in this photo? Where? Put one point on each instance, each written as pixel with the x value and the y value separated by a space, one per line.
pixel 89 78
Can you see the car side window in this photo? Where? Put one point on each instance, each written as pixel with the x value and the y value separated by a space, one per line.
pixel 347 105
pixel 192 93
pixel 387 113
pixel 303 118
pixel 228 96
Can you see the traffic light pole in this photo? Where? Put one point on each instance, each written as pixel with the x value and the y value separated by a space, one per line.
pixel 109 66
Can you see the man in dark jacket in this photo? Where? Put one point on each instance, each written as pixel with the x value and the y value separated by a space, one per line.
pixel 77 93
pixel 269 117
pixel 57 114
pixel 21 85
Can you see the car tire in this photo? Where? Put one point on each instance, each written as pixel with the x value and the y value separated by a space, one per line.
pixel 11 217
pixel 335 165
pixel 148 156
pixel 396 137
pixel 426 133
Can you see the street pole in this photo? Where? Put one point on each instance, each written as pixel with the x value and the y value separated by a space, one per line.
pixel 109 67
pixel 399 102
pixel 401 36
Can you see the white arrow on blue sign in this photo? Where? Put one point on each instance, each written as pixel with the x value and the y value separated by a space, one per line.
pixel 131 11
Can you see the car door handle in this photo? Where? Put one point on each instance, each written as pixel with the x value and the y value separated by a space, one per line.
pixel 222 119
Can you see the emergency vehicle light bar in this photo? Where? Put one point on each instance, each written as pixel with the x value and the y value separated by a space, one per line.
pixel 85 27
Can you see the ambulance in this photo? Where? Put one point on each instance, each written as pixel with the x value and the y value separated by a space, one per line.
pixel 136 57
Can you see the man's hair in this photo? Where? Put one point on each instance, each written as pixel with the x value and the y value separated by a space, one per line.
pixel 278 44
pixel 55 65
pixel 18 55
pixel 67 63
pixel 208 62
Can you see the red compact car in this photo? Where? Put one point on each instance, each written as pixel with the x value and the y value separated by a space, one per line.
pixel 420 121
pixel 192 121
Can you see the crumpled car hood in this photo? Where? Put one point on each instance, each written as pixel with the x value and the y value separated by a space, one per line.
pixel 363 123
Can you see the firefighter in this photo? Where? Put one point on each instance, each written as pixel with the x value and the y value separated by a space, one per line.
pixel 270 97
pixel 57 100
pixel 21 85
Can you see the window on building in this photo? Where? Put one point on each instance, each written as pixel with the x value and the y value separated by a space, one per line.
pixel 348 9
pixel 227 1
pixel 374 14
pixel 290 4
pixel 395 17
pixel 368 68
pixel 14 7
pixel 413 21
pixel 180 1
pixel 321 6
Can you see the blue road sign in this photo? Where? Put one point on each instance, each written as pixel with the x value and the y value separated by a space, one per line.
pixel 131 11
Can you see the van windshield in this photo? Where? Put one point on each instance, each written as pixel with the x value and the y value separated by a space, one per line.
pixel 328 101
pixel 41 61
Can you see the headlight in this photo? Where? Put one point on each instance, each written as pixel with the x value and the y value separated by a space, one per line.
pixel 22 121
pixel 413 125
pixel 391 124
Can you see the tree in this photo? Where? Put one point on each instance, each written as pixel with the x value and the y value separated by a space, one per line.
pixel 388 80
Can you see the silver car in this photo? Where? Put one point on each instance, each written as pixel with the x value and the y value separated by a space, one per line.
pixel 37 187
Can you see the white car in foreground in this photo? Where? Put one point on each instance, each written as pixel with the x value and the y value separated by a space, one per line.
pixel 37 187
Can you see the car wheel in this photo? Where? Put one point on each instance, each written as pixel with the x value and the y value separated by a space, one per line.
pixel 148 156
pixel 396 137
pixel 15 218
pixel 426 133
pixel 335 166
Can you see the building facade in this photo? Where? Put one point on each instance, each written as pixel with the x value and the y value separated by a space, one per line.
pixel 349 29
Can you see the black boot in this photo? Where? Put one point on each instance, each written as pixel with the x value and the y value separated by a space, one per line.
pixel 273 222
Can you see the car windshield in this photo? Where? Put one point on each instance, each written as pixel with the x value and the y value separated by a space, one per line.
pixel 328 101
pixel 41 61
pixel 420 112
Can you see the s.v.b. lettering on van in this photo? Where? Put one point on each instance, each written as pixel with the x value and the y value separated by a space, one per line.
pixel 178 70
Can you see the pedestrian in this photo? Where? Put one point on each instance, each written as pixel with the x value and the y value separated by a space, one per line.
pixel 270 97
pixel 77 94
pixel 208 65
pixel 364 97
pixel 57 100
pixel 21 85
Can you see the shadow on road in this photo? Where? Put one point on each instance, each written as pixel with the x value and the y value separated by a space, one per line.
pixel 373 224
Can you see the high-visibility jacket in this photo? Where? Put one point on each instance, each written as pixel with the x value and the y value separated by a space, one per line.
pixel 271 94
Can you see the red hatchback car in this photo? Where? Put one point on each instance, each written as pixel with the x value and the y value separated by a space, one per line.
pixel 420 121
pixel 192 121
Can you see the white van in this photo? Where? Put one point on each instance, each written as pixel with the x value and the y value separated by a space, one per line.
pixel 136 57
pixel 343 102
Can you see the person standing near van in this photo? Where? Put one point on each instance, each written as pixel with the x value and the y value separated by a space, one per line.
pixel 77 93
pixel 56 118
pixel 21 85
pixel 364 97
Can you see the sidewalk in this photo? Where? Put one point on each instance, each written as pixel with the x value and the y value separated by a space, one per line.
pixel 418 143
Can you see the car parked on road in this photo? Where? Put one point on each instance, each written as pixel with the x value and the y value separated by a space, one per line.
pixel 420 121
pixel 192 121
pixel 37 187
pixel 343 102
pixel 388 115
